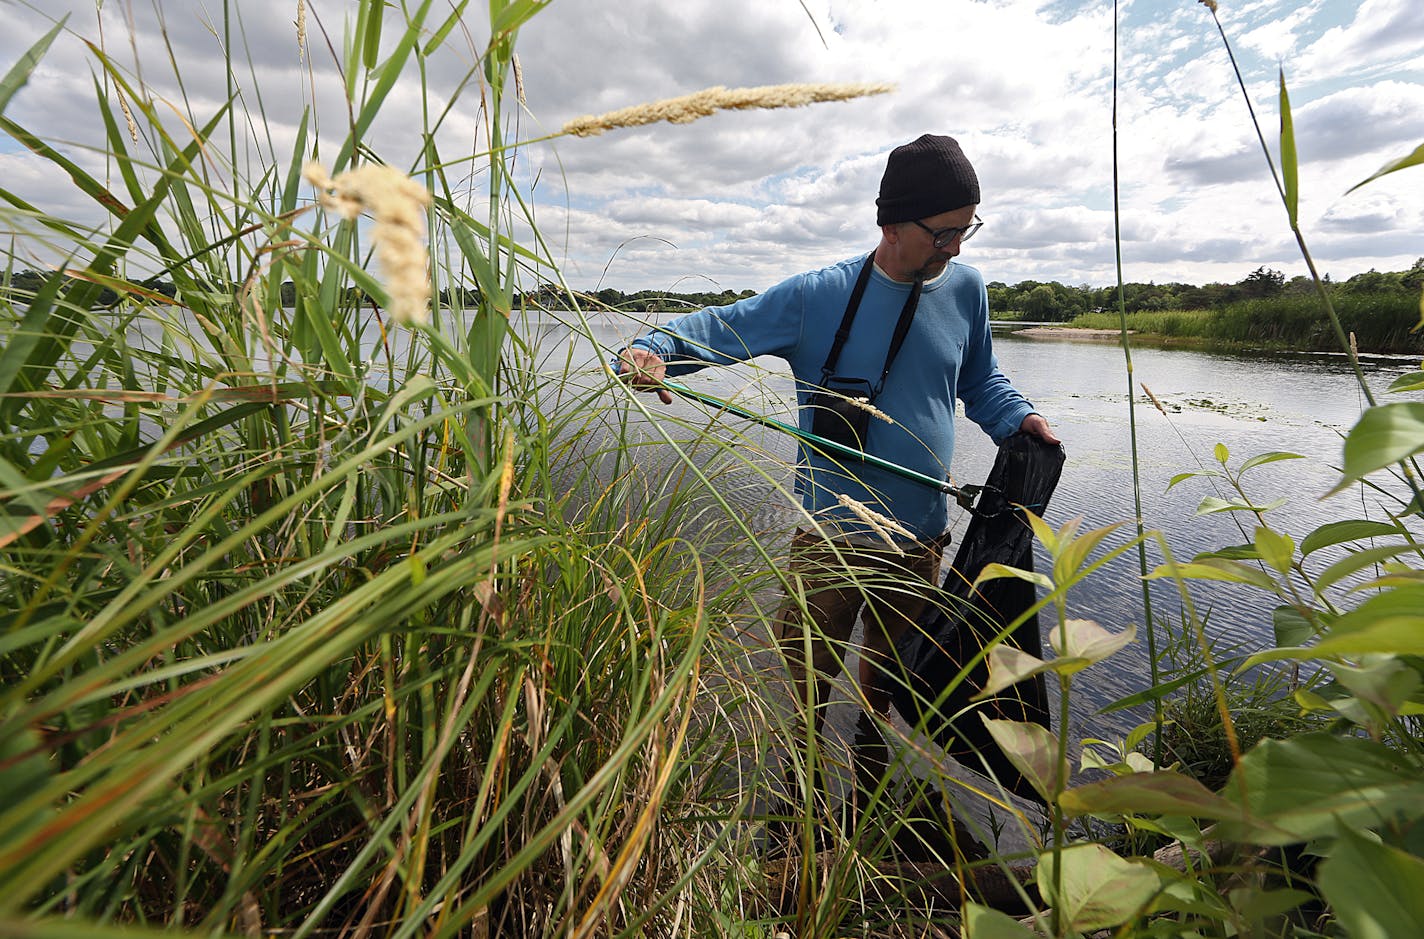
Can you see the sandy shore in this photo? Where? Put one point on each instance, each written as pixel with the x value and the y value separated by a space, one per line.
pixel 1067 332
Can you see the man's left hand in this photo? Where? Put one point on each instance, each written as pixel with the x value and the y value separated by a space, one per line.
pixel 1037 425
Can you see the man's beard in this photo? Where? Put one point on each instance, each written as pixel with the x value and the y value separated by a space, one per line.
pixel 931 268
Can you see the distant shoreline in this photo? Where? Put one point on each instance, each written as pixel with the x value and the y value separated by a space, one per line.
pixel 1071 332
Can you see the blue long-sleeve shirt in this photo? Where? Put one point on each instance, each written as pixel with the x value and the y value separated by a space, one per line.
pixel 947 354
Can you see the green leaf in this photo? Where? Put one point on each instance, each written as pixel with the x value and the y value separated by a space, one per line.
pixel 1007 667
pixel 1072 552
pixel 1222 453
pixel 1376 891
pixel 1217 569
pixel 1257 905
pixel 1181 477
pixel 20 72
pixel 1384 435
pixel 1357 561
pixel 1334 533
pixel 1235 552
pixel 1294 790
pixel 1276 549
pixel 371 42
pixel 1262 459
pixel 1384 682
pixel 1291 627
pixel 1084 641
pixel 998 571
pixel 1414 381
pixel 1161 793
pixel 981 922
pixel 1097 889
pixel 1212 505
pixel 1289 167
pixel 1155 693
pixel 1413 159
pixel 1032 748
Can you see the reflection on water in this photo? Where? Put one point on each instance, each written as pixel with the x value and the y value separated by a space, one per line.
pixel 1252 404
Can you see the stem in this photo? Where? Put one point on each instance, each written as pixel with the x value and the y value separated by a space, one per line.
pixel 1157 715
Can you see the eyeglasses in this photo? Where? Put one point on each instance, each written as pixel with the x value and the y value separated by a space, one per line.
pixel 944 236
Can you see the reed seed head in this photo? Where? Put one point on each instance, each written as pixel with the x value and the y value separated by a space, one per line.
pixel 128 117
pixel 1153 398
pixel 1209 4
pixel 871 409
pixel 881 525
pixel 395 203
pixel 301 28
pixel 688 108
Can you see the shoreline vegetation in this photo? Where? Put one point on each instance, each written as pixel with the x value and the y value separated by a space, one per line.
pixel 287 650
pixel 1263 311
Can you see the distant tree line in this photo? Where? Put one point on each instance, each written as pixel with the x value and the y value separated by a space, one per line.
pixel 1055 302
pixel 1047 301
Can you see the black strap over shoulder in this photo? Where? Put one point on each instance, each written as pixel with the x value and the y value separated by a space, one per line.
pixel 902 326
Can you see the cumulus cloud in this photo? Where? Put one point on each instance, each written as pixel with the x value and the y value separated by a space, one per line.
pixel 745 199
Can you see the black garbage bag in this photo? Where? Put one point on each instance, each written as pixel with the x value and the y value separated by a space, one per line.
pixel 951 634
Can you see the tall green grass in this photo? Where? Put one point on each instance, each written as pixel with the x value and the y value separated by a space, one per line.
pixel 314 623
pixel 1383 322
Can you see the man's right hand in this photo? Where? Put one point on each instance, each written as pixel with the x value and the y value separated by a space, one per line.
pixel 643 369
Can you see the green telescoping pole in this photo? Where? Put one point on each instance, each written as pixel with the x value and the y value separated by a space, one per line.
pixel 965 495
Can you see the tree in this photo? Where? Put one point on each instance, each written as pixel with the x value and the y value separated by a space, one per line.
pixel 1263 282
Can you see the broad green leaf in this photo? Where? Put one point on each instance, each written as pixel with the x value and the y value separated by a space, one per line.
pixel 1413 159
pixel 1081 640
pixel 1043 532
pixel 982 922
pixel 998 571
pixel 1294 790
pixel 1383 436
pixel 1334 533
pixel 1073 552
pixel 1276 549
pixel 1291 627
pixel 1182 477
pixel 1212 505
pixel 1384 682
pixel 1377 891
pixel 1262 459
pixel 1257 905
pixel 1289 168
pixel 1160 793
pixel 1222 453
pixel 1414 381
pixel 1097 889
pixel 1357 561
pixel 1007 667
pixel 1216 569
pixel 1032 748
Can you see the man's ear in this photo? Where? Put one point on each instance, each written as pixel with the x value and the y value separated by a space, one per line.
pixel 891 232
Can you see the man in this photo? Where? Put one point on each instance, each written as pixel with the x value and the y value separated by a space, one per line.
pixel 918 338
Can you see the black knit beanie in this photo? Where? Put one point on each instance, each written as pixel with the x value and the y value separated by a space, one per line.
pixel 925 178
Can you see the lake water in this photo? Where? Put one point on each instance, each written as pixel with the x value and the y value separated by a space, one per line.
pixel 1251 403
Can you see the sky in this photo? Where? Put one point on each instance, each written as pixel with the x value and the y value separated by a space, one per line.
pixel 741 200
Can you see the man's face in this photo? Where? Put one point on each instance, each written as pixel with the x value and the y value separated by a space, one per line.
pixel 918 254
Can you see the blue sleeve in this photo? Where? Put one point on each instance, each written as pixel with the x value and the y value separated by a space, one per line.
pixel 767 324
pixel 990 399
